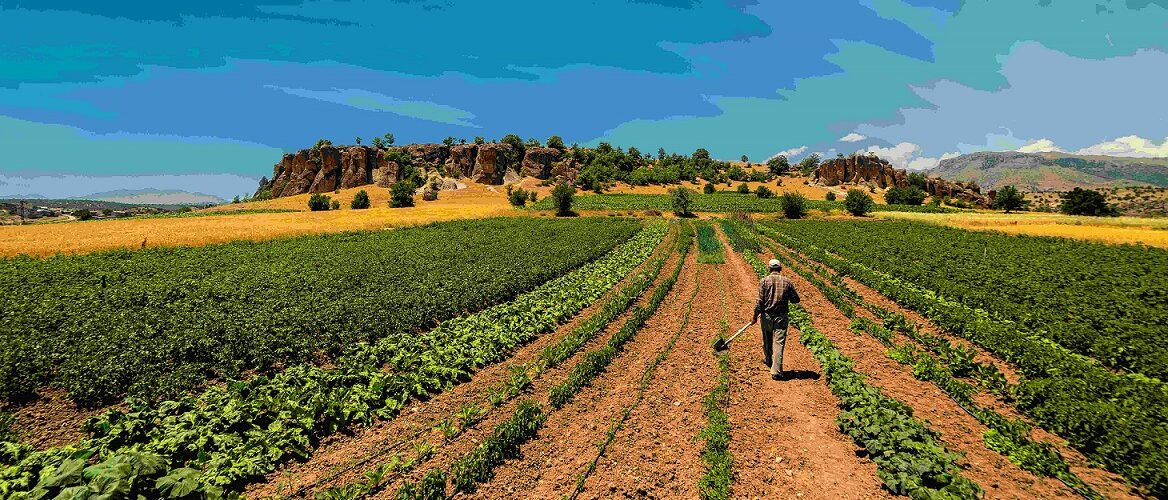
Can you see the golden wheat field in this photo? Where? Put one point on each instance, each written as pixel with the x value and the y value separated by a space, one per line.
pixel 1148 231
pixel 80 237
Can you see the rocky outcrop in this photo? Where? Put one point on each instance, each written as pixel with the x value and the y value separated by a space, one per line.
pixel 874 171
pixel 537 162
pixel 327 168
pixel 491 163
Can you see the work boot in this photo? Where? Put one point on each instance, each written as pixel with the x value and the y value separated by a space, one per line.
pixel 766 362
pixel 779 376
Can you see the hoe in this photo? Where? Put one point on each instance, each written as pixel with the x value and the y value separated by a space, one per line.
pixel 723 345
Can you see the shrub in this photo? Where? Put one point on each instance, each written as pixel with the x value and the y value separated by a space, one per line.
pixel 562 196
pixel 830 196
pixel 318 202
pixel 517 197
pixel 910 195
pixel 764 192
pixel 401 194
pixel 360 201
pixel 858 202
pixel 708 188
pixel 83 214
pixel 532 197
pixel 556 142
pixel 794 205
pixel 335 205
pixel 682 199
pixel 759 176
pixel 743 188
pixel 1008 199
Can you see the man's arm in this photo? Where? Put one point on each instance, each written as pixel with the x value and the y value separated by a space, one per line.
pixel 793 296
pixel 758 303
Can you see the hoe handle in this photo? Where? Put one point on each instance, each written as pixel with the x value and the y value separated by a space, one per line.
pixel 739 332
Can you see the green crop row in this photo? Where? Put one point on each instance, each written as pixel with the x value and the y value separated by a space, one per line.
pixel 1108 302
pixel 717 202
pixel 742 239
pixel 156 323
pixel 909 458
pixel 242 430
pixel 710 250
pixel 715 482
pixel 478 466
pixel 1117 419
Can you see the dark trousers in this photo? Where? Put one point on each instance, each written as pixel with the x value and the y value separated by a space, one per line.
pixel 774 339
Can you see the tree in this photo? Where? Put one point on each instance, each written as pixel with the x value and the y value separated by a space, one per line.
pixel 778 165
pixel 83 214
pixel 809 163
pixel 377 142
pixel 635 154
pixel 858 202
pixel 1081 201
pixel 235 199
pixel 794 205
pixel 764 192
pixel 660 154
pixel 919 180
pixel 318 202
pixel 533 143
pixel 556 142
pixel 911 195
pixel 708 188
pixel 745 159
pixel 830 196
pixel 682 200
pixel 401 194
pixel 743 188
pixel 701 154
pixel 387 139
pixel 358 140
pixel 562 195
pixel 322 143
pixel 448 141
pixel 1009 199
pixel 360 200
pixel 479 139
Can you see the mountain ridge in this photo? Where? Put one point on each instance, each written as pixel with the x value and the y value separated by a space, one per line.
pixel 1043 172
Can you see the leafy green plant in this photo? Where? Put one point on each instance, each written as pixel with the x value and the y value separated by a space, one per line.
pixel 401 194
pixel 318 202
pixel 360 200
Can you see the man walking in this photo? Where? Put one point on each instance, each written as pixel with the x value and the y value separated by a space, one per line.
pixel 774 293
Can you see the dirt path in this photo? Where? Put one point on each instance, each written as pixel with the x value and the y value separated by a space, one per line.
pixel 551 464
pixel 656 452
pixel 379 441
pixel 959 431
pixel 1109 484
pixel 784 438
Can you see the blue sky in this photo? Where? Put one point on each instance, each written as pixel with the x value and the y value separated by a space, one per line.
pixel 207 96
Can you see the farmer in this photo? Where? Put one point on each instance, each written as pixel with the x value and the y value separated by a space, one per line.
pixel 774 293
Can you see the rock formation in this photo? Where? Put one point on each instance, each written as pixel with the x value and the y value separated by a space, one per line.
pixel 872 170
pixel 327 168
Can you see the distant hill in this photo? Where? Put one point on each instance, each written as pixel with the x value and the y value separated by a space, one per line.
pixel 154 197
pixel 1052 171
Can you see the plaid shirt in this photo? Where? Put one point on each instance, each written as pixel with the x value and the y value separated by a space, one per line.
pixel 774 293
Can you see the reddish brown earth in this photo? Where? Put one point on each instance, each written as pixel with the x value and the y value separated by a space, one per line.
pixel 1109 484
pixel 551 465
pixel 53 419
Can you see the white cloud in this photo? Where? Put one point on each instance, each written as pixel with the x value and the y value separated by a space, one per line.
pixel 791 152
pixel 1132 145
pixel 899 155
pixel 1041 146
pixel 852 137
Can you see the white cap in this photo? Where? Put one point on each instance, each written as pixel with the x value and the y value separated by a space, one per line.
pixel 775 264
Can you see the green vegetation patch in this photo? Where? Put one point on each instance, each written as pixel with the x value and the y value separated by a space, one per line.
pixel 717 202
pixel 157 322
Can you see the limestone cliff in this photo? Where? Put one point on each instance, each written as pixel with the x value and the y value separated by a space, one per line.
pixel 327 168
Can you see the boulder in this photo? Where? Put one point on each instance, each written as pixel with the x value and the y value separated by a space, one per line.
pixel 565 170
pixel 328 174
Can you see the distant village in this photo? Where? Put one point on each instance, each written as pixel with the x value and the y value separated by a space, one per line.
pixel 14 212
